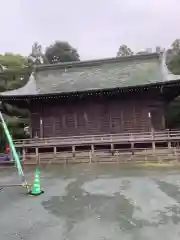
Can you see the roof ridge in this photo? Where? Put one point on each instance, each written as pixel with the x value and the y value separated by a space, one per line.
pixel 94 62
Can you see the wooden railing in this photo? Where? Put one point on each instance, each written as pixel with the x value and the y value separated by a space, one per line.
pixel 99 139
pixel 140 155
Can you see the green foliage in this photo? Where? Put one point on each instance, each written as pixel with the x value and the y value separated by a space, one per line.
pixel 15 111
pixel 176 46
pixel 13 61
pixel 173 114
pixel 173 111
pixel 14 74
pixel 174 64
pixel 36 56
pixel 61 52
pixel 124 50
pixel 16 119
pixel 14 78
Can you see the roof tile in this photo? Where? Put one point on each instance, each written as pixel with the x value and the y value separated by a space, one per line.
pixel 95 75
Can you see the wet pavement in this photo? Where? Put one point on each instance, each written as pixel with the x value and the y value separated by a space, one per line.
pixel 99 202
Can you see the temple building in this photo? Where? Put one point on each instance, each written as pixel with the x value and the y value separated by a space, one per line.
pixel 106 96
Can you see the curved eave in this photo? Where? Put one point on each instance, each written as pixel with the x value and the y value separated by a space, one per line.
pixel 27 90
pixel 100 92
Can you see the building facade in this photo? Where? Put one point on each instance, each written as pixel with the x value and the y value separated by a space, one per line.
pixel 107 96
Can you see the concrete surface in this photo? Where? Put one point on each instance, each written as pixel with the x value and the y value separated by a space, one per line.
pixel 93 202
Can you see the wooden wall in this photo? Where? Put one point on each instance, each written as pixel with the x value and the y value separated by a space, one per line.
pixel 94 117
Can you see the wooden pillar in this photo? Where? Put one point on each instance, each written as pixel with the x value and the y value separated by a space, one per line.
pixel 117 155
pixel 163 122
pixel 75 120
pixel 92 148
pixel 41 127
pixel 73 152
pixel 23 154
pixel 37 155
pixel 92 152
pixel 146 155
pixel 54 126
pixel 54 152
pixel 110 121
pixel 169 145
pixel 122 120
pixel 112 149
pixel 152 134
pixel 132 148
pixel 134 117
pixel 30 131
pixel 90 156
pixel 153 146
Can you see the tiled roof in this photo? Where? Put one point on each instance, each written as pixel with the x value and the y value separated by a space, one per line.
pixel 96 75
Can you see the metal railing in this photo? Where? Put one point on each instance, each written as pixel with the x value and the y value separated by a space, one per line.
pixel 98 139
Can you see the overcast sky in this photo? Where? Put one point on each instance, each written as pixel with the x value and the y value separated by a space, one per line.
pixel 95 27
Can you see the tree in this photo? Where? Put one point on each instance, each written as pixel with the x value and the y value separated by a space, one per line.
pixel 15 70
pixel 14 73
pixel 36 56
pixel 173 62
pixel 173 114
pixel 173 58
pixel 176 46
pixel 13 61
pixel 124 51
pixel 61 52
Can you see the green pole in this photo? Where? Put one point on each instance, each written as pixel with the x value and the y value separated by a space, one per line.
pixel 13 149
